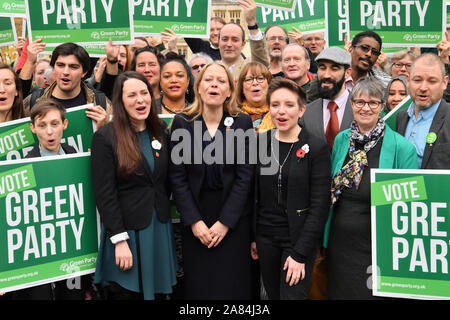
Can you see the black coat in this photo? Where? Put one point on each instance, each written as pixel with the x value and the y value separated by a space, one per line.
pixel 35 152
pixel 127 203
pixel 187 179
pixel 308 191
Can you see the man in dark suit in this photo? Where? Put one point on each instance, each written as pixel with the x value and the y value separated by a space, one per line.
pixel 331 113
pixel 426 123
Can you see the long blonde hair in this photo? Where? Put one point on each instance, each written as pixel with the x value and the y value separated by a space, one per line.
pixel 230 106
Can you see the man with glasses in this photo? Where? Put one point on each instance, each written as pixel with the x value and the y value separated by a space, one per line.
pixel 276 39
pixel 314 42
pixel 197 62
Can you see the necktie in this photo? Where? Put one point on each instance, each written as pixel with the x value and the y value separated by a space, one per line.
pixel 333 124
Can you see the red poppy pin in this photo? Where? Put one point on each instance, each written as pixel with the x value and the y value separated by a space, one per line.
pixel 301 153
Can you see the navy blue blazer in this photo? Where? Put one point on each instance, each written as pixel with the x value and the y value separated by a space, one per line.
pixel 187 178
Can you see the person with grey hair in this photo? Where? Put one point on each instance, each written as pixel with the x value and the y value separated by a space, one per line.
pixel 197 61
pixel 367 144
pixel 401 63
pixel 426 122
pixel 295 62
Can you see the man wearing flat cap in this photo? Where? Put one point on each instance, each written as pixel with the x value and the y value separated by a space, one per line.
pixel 332 112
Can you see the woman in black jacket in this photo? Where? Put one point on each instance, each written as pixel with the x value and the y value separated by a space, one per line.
pixel 292 196
pixel 129 171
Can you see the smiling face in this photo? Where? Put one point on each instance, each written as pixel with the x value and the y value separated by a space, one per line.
pixel 366 117
pixel 397 92
pixel 49 129
pixel 68 74
pixel 331 78
pixel 362 61
pixel 285 109
pixel 147 64
pixel 136 101
pixel 214 87
pixel 8 92
pixel 214 30
pixel 230 43
pixel 174 80
pixel 294 64
pixel 255 89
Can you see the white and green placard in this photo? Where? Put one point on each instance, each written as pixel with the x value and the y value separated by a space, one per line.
pixel 12 8
pixel 308 17
pixel 398 22
pixel 391 116
pixel 187 18
pixel 82 22
pixel 410 233
pixel 48 225
pixel 17 139
pixel 448 13
pixel 336 23
pixel 8 33
pixel 94 50
pixel 277 4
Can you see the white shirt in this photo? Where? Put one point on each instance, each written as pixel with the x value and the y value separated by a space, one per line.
pixel 341 101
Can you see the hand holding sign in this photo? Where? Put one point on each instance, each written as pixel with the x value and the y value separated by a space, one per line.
pixel 443 47
pixel 296 35
pixel 34 49
pixel 348 44
pixel 249 11
pixel 170 39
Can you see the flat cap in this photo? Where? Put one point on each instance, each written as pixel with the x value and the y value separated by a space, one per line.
pixel 337 55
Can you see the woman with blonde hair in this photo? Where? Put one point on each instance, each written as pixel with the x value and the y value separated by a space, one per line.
pixel 212 190
pixel 251 92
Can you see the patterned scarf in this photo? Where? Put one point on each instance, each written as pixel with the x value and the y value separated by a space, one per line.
pixel 352 172
pixel 266 122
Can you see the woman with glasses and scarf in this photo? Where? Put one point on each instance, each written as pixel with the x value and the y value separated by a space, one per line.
pixel 368 144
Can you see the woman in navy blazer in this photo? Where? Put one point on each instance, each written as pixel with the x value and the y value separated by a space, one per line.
pixel 129 172
pixel 212 191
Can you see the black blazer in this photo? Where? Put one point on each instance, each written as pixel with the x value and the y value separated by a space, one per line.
pixel 308 195
pixel 127 203
pixel 35 152
pixel 436 155
pixel 187 178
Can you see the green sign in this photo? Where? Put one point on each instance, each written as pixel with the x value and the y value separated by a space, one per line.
pixel 187 18
pixel 277 4
pixel 7 31
pixel 12 8
pixel 94 50
pixel 410 233
pixel 337 26
pixel 448 13
pixel 391 117
pixel 399 23
pixel 48 226
pixel 83 22
pixel 16 138
pixel 308 17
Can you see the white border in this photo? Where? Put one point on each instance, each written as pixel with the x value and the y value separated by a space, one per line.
pixel 294 5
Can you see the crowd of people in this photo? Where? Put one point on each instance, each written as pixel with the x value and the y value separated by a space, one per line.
pixel 299 231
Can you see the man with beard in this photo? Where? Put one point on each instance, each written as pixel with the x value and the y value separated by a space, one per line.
pixel 426 123
pixel 332 112
pixel 276 39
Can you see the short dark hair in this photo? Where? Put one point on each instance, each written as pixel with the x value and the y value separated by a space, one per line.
pixel 366 34
pixel 17 110
pixel 279 83
pixel 233 23
pixel 153 50
pixel 70 48
pixel 190 94
pixel 43 106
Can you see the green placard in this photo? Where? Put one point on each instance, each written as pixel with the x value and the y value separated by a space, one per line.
pixel 277 4
pixel 7 31
pixel 391 117
pixel 410 233
pixel 399 23
pixel 94 50
pixel 308 17
pixel 12 8
pixel 48 225
pixel 86 22
pixel 185 18
pixel 16 138
pixel 337 25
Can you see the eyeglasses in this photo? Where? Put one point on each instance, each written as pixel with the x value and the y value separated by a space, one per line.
pixel 366 49
pixel 196 66
pixel 313 39
pixel 359 104
pixel 259 79
pixel 401 65
pixel 279 38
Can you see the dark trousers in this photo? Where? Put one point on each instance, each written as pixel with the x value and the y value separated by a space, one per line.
pixel 273 252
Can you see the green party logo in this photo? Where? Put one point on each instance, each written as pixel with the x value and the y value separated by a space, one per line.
pixel 431 138
pixel 7 6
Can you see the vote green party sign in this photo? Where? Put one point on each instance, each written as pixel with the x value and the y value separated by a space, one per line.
pixel 48 225
pixel 7 31
pixel 398 22
pixel 12 8
pixel 308 16
pixel 187 18
pixel 410 233
pixel 337 24
pixel 83 22
pixel 16 138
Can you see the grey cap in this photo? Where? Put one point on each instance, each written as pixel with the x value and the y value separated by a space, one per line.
pixel 337 55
